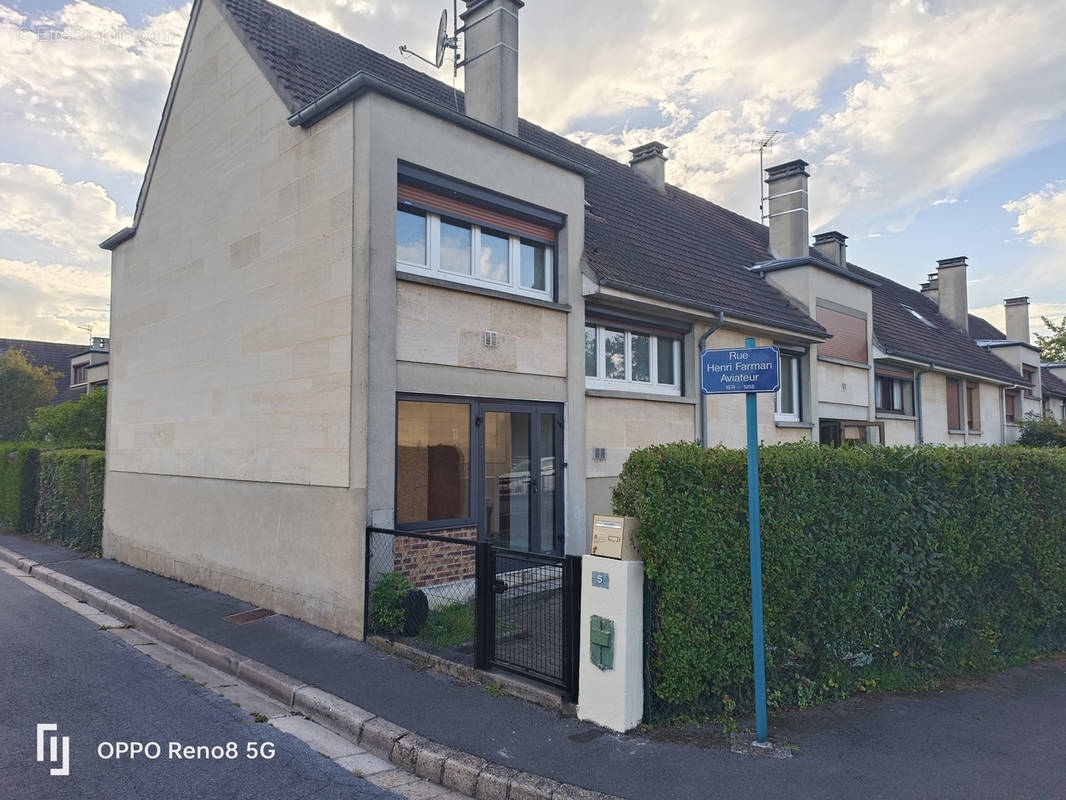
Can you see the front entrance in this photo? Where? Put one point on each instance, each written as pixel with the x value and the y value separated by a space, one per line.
pixel 520 447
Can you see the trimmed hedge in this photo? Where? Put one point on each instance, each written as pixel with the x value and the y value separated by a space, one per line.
pixel 18 485
pixel 70 491
pixel 882 567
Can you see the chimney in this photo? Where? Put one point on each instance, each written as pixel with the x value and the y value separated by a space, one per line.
pixel 787 195
pixel 490 37
pixel 951 287
pixel 650 163
pixel 1017 309
pixel 831 244
pixel 931 288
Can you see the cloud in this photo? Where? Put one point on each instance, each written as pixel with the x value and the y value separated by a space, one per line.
pixel 86 78
pixel 1042 215
pixel 51 301
pixel 35 202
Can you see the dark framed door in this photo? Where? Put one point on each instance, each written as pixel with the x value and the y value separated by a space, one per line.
pixel 520 494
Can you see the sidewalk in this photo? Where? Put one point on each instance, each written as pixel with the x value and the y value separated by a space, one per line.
pixel 1001 738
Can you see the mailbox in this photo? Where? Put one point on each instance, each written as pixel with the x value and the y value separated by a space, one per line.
pixel 615 537
pixel 601 642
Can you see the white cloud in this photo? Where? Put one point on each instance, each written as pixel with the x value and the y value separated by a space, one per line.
pixel 35 202
pixel 1042 215
pixel 85 77
pixel 51 301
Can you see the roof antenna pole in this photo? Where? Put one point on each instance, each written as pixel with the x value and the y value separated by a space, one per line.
pixel 88 328
pixel 762 144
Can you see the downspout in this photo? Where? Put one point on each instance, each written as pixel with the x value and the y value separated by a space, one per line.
pixel 699 381
pixel 918 398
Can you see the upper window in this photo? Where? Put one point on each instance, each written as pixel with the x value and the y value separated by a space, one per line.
pixel 848 327
pixel 1010 406
pixel 616 358
pixel 787 406
pixel 80 373
pixel 1029 374
pixel 894 392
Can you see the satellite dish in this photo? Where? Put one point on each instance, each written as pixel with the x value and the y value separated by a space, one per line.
pixel 442 37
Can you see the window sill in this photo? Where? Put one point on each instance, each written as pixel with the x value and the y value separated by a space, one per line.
pixel 845 363
pixel 894 415
pixel 958 431
pixel 789 423
pixel 623 395
pixel 429 280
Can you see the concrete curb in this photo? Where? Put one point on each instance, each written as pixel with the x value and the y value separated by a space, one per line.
pixel 454 769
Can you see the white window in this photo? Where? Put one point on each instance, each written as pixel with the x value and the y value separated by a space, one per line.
pixel 616 358
pixel 787 405
pixel 463 252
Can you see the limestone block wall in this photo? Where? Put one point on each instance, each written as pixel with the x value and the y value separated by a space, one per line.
pixel 232 413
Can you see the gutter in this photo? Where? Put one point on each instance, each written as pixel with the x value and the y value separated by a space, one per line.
pixel 918 398
pixel 703 397
pixel 819 333
pixel 362 82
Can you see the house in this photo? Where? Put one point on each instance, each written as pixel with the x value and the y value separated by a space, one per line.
pixel 54 355
pixel 1053 383
pixel 351 295
pixel 88 368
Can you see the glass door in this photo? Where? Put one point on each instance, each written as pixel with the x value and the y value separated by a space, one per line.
pixel 521 507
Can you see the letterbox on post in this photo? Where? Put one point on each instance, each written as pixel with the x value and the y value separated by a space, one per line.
pixel 615 537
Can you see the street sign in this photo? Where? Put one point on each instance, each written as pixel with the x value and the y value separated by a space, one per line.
pixel 740 370
pixel 748 370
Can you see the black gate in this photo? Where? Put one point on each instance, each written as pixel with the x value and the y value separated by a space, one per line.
pixel 484 605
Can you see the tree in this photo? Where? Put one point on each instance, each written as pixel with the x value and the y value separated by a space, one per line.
pixel 1053 347
pixel 23 388
pixel 80 421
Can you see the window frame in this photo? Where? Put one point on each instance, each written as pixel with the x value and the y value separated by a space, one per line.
pixel 905 385
pixel 796 378
pixel 1015 398
pixel 959 403
pixel 84 366
pixel 972 405
pixel 652 386
pixel 1029 373
pixel 514 255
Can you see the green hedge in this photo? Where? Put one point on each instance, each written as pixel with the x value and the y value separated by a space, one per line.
pixel 882 567
pixel 18 485
pixel 70 491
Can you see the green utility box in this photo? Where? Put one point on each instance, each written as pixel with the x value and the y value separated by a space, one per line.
pixel 602 642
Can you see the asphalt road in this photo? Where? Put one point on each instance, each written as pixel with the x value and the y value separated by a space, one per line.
pixel 58 667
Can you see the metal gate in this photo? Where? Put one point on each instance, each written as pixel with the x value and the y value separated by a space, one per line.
pixel 524 607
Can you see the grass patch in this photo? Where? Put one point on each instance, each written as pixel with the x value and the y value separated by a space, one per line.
pixel 449 626
pixel 259 717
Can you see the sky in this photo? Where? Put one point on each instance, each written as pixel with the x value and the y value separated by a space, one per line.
pixel 934 128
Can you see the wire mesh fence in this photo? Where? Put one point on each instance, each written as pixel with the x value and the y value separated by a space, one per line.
pixel 529 610
pixel 422 588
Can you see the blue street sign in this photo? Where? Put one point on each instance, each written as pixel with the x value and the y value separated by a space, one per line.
pixel 740 370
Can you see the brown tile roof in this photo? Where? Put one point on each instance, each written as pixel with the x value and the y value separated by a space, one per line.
pixel 1052 383
pixel 927 336
pixel 983 329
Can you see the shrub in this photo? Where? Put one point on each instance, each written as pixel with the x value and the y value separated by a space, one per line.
pixel 77 422
pixel 23 388
pixel 1043 431
pixel 70 498
pixel 18 485
pixel 882 567
pixel 386 603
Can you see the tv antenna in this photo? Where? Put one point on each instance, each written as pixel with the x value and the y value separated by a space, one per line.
pixel 444 42
pixel 761 144
pixel 88 328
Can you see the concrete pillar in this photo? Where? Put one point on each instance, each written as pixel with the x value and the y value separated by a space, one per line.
pixel 951 286
pixel 788 218
pixel 491 62
pixel 613 592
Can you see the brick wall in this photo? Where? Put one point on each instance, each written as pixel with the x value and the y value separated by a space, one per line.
pixel 429 563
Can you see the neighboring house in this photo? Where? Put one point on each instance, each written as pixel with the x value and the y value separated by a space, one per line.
pixel 54 355
pixel 1053 384
pixel 88 368
pixel 352 295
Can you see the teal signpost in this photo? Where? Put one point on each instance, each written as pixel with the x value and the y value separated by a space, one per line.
pixel 750 370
